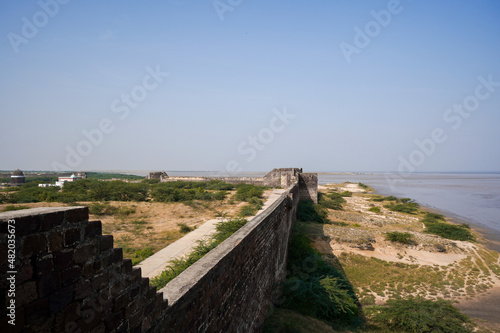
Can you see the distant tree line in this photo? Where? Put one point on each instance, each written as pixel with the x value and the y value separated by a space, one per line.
pixel 117 190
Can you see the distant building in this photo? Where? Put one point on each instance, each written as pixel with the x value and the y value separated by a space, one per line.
pixel 17 178
pixel 61 180
pixel 47 185
pixel 161 175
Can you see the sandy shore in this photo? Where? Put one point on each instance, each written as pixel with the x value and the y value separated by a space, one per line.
pixel 362 232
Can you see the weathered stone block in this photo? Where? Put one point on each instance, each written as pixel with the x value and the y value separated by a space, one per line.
pixel 93 229
pixel 60 299
pixel 55 241
pixel 84 253
pixel 79 214
pixel 52 220
pixel 106 242
pixel 36 309
pixel 71 274
pixel 72 236
pixel 32 245
pixel 63 259
pixel 26 293
pixel 44 265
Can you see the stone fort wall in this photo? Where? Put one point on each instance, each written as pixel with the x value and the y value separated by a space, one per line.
pixel 283 177
pixel 69 278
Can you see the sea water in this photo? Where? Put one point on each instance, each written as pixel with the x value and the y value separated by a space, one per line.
pixel 470 197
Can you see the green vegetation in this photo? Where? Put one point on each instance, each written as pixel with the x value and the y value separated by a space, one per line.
pixel 401 237
pixel 10 208
pixel 389 198
pixel 309 212
pixel 419 315
pixel 436 224
pixel 245 192
pixel 251 194
pixel 254 205
pixel 224 229
pixel 117 190
pixel 331 200
pixel 374 209
pixel 403 205
pixel 364 186
pixel 315 288
pixel 346 194
pixel 184 228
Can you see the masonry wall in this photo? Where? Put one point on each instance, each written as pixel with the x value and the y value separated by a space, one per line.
pixel 308 186
pixel 69 278
pixel 230 288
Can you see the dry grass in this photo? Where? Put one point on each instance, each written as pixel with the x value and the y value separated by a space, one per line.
pixel 153 226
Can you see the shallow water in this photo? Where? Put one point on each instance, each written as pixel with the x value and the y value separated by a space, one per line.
pixel 472 197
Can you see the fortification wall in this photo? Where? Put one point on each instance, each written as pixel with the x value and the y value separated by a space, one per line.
pixel 231 180
pixel 69 278
pixel 230 288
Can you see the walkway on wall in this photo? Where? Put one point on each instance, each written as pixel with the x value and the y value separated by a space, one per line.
pixel 156 263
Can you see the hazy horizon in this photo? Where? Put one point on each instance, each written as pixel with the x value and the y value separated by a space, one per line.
pixel 394 86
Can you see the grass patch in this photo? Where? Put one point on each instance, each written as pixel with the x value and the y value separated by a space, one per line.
pixel 374 209
pixel 315 288
pixel 401 237
pixel 331 200
pixel 404 205
pixel 253 206
pixel 416 314
pixel 245 192
pixel 308 211
pixel 224 229
pixel 184 228
pixel 437 225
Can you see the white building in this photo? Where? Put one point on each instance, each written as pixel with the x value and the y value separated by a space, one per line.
pixel 61 180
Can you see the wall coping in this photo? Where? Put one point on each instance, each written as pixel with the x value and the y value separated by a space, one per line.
pixel 35 211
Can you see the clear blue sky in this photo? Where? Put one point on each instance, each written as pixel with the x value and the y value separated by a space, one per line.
pixel 353 92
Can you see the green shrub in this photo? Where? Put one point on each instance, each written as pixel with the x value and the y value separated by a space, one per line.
pixel 245 192
pixel 331 200
pixel 404 205
pixel 401 237
pixel 364 186
pixel 308 211
pixel 374 209
pixel 254 205
pixel 184 228
pixel 419 315
pixel 437 225
pixel 125 211
pixel 100 208
pixel 346 194
pixel 314 288
pixel 247 210
pixel 223 229
pixel 142 254
pixel 10 208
